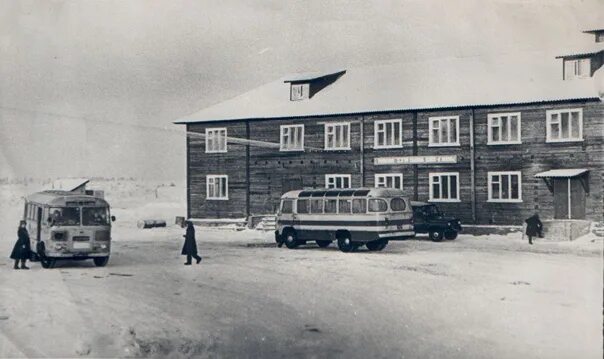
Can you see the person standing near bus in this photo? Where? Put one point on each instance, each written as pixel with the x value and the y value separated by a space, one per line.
pixel 21 250
pixel 190 246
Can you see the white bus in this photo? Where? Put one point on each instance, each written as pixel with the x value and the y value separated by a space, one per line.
pixel 67 225
pixel 352 217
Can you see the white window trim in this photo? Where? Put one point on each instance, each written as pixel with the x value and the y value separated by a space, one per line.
pixel 212 198
pixel 548 116
pixel 431 176
pixel 447 144
pixel 334 175
pixel 281 143
pixel 376 145
pixel 216 129
pixel 491 116
pixel 500 200
pixel 336 124
pixel 378 175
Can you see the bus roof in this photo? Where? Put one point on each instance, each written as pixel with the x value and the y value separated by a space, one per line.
pixel 61 198
pixel 345 192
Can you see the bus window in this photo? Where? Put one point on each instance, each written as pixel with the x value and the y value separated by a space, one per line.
pixel 331 205
pixel 359 205
pixel 302 206
pixel 316 206
pixel 287 206
pixel 377 205
pixel 95 216
pixel 68 216
pixel 398 204
pixel 34 214
pixel 345 206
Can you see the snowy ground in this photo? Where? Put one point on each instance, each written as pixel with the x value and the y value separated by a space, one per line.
pixel 475 297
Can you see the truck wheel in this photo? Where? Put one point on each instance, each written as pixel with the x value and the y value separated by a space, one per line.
pixel 101 261
pixel 323 243
pixel 345 243
pixel 451 235
pixel 291 240
pixel 436 236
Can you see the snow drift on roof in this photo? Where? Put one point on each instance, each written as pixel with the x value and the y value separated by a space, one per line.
pixel 462 82
pixel 562 173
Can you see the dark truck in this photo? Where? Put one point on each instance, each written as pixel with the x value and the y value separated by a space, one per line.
pixel 429 219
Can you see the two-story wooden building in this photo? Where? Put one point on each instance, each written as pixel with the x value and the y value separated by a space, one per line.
pixel 490 143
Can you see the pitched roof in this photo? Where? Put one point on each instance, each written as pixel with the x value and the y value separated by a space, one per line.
pixel 309 76
pixel 593 49
pixel 562 173
pixel 462 82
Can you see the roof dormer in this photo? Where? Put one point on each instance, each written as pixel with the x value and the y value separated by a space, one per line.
pixel 305 86
pixel 583 63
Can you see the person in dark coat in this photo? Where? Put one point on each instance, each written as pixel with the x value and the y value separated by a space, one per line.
pixel 21 250
pixel 190 246
pixel 534 227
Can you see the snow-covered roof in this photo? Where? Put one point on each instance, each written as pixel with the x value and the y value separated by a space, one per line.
pixel 594 31
pixel 593 49
pixel 69 184
pixel 463 82
pixel 309 76
pixel 562 173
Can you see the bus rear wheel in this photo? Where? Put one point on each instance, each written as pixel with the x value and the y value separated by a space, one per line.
pixel 101 261
pixel 377 245
pixel 323 243
pixel 345 243
pixel 291 240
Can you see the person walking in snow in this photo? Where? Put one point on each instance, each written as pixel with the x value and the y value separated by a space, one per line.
pixel 190 246
pixel 534 227
pixel 21 250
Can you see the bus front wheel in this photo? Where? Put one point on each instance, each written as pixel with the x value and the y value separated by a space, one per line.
pixel 48 263
pixel 436 236
pixel 345 243
pixel 101 261
pixel 291 241
pixel 377 245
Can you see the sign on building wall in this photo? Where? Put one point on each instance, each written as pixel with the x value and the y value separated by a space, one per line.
pixel 415 160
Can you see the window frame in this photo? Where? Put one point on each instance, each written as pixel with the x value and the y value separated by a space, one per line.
pixel 433 119
pixel 214 177
pixel 377 176
pixel 492 116
pixel 282 129
pixel 376 145
pixel 548 124
pixel 214 130
pixel 335 176
pixel 431 176
pixel 504 173
pixel 575 68
pixel 335 125
pixel 304 91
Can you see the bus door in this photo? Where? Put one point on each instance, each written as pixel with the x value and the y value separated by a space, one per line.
pixel 39 223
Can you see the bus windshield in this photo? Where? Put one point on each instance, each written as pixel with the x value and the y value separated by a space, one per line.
pixel 95 216
pixel 66 216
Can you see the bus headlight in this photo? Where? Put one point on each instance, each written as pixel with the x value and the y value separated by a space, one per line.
pixel 58 236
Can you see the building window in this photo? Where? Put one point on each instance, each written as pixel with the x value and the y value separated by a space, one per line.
pixel 337 136
pixel 444 131
pixel 444 187
pixel 337 181
pixel 217 187
pixel 505 186
pixel 576 69
pixel 389 180
pixel 388 133
pixel 292 138
pixel 504 128
pixel 299 92
pixel 564 125
pixel 216 140
pixel 600 37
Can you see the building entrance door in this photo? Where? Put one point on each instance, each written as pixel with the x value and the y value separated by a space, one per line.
pixel 569 198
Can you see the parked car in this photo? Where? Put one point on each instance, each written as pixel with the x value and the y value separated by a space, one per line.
pixel 429 219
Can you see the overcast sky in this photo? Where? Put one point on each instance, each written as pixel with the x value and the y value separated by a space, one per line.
pixel 90 88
